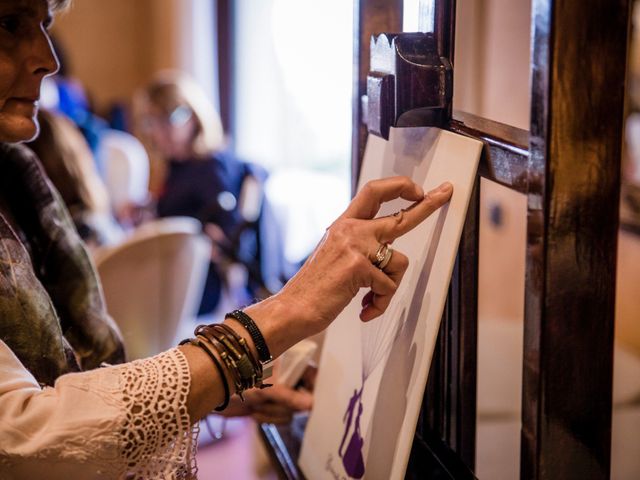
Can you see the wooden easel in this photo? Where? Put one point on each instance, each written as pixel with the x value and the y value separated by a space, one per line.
pixel 568 166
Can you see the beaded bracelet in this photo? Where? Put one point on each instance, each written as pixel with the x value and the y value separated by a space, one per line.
pixel 234 353
pixel 247 322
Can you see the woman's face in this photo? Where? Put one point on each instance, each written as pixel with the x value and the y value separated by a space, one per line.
pixel 173 133
pixel 26 57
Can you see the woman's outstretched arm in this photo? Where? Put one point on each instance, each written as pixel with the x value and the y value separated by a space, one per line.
pixel 327 282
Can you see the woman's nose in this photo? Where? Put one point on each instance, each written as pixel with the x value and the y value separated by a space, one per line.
pixel 44 59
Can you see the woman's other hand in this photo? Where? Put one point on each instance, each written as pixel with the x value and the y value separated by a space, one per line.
pixel 342 264
pixel 275 404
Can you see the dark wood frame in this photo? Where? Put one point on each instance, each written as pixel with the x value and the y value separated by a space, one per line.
pixel 568 165
pixel 225 31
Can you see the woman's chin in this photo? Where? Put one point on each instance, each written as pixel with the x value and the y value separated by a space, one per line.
pixel 18 131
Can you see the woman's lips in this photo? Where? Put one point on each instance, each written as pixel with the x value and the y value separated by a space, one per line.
pixel 33 100
pixel 21 106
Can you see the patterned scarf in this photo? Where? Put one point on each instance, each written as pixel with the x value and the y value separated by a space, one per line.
pixel 52 312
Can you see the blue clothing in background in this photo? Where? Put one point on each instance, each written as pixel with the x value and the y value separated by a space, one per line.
pixel 73 102
pixel 209 190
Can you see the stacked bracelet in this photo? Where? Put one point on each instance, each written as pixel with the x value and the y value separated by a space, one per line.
pixel 244 368
pixel 233 352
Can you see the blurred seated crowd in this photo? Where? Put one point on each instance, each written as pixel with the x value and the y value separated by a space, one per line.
pixel 165 156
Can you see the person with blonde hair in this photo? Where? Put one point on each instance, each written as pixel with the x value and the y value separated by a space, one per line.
pixel 60 415
pixel 203 180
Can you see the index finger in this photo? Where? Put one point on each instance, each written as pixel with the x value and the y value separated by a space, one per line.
pixel 367 202
pixel 389 228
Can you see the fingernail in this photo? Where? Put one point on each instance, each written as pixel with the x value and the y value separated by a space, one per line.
pixel 419 191
pixel 445 187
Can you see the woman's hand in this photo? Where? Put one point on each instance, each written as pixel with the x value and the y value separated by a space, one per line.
pixel 342 264
pixel 275 404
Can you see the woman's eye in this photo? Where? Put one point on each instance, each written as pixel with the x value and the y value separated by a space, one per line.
pixel 10 23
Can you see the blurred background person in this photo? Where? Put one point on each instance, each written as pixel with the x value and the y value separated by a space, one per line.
pixel 70 164
pixel 204 181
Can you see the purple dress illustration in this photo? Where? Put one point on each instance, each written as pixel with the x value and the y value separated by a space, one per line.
pixel 352 458
pixel 348 417
pixel 377 338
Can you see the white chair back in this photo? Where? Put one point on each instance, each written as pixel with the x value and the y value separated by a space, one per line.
pixel 126 169
pixel 153 283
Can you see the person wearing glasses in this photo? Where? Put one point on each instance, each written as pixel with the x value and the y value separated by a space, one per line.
pixel 63 413
pixel 203 180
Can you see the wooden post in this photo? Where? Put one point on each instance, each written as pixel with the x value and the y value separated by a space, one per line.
pixel 226 53
pixel 573 182
pixel 370 17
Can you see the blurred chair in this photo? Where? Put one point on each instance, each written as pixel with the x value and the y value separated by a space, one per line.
pixel 125 166
pixel 153 282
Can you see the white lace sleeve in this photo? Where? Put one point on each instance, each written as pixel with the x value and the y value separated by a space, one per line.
pixel 158 440
pixel 127 421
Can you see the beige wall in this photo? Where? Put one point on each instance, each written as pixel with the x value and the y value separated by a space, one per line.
pixel 90 42
pixel 114 46
pixel 491 67
pixel 492 80
pixel 628 291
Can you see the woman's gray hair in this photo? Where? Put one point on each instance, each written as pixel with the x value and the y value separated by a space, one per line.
pixel 57 5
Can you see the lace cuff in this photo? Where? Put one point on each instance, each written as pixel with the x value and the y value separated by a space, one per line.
pixel 158 438
pixel 127 421
pixel 151 435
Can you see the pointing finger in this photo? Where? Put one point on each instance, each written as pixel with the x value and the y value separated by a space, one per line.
pixel 367 202
pixel 389 228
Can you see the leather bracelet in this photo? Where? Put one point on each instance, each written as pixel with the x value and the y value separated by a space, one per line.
pixel 228 361
pixel 259 374
pixel 216 362
pixel 247 322
pixel 242 343
pixel 241 367
pixel 243 362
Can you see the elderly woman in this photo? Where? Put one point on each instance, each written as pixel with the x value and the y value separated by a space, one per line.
pixel 62 416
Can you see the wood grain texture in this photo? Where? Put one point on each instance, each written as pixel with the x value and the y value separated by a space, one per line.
pixel 506 153
pixel 573 181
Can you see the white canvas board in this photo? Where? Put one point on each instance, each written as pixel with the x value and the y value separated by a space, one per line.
pixel 372 375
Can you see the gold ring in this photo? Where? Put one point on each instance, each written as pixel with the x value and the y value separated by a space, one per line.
pixel 387 258
pixel 380 255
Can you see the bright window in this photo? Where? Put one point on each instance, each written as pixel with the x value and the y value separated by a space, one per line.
pixel 292 109
pixel 293 78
